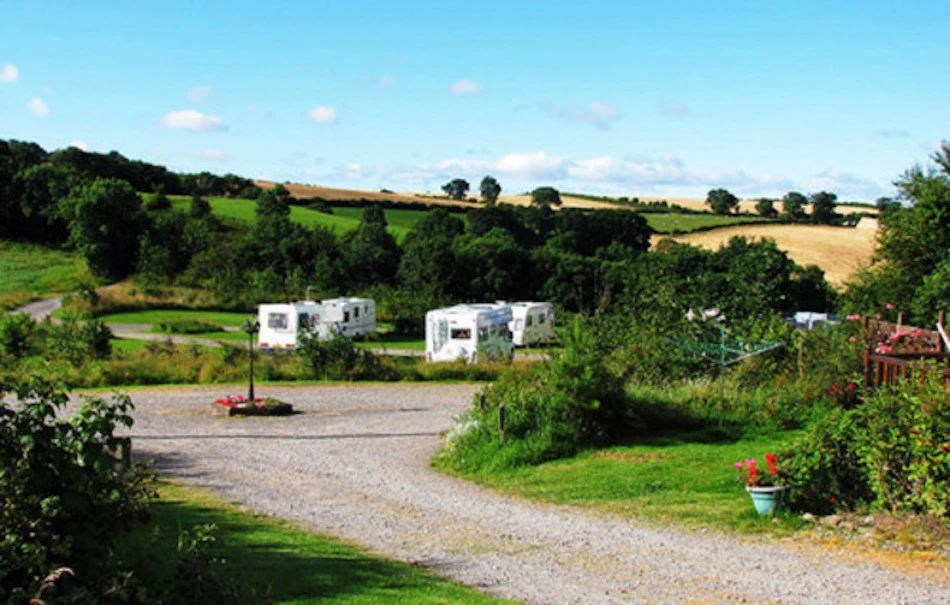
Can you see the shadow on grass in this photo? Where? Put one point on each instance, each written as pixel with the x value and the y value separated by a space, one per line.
pixel 277 562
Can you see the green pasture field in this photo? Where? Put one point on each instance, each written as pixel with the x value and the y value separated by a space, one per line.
pixel 280 563
pixel 154 316
pixel 31 271
pixel 243 210
pixel 687 479
pixel 686 223
pixel 397 218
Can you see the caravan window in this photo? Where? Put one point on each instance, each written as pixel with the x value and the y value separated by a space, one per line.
pixel 356 313
pixel 277 321
pixel 346 316
pixel 482 333
pixel 461 334
pixel 303 321
pixel 530 321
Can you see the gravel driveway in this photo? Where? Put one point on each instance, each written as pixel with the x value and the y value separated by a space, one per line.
pixel 355 464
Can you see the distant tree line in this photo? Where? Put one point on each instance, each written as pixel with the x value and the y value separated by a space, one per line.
pixel 584 261
pixel 823 206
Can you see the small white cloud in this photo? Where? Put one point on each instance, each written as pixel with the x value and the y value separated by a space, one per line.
pixel 536 165
pixel 38 107
pixel 465 87
pixel 324 114
pixel 598 115
pixel 80 145
pixel 675 110
pixel 665 170
pixel 199 94
pixel 190 119
pixel 9 73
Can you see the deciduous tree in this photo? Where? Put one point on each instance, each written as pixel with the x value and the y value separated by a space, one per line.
pixel 490 189
pixel 456 188
pixel 721 201
pixel 545 197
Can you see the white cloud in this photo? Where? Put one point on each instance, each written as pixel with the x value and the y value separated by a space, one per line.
pixel 190 119
pixel 536 165
pixel 38 107
pixel 666 170
pixel 199 94
pixel 324 114
pixel 598 115
pixel 9 73
pixel 844 184
pixel 465 87
pixel 80 145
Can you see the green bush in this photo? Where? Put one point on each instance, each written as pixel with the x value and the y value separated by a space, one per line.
pixel 76 342
pixel 552 410
pixel 65 499
pixel 338 358
pixel 904 444
pixel 891 450
pixel 823 466
pixel 16 335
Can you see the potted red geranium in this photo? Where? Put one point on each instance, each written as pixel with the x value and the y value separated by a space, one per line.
pixel 765 486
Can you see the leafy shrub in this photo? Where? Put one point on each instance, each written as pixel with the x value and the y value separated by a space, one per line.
pixel 76 342
pixel 65 499
pixel 824 468
pixel 904 444
pixel 338 358
pixel 16 335
pixel 552 410
pixel 892 449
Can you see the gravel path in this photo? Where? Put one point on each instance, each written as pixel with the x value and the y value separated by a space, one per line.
pixel 355 464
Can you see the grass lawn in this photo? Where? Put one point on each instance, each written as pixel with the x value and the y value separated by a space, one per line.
pixel 393 341
pixel 31 271
pixel 684 479
pixel 686 223
pixel 153 316
pixel 283 564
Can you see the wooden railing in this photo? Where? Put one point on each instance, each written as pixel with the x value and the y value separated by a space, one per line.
pixel 889 369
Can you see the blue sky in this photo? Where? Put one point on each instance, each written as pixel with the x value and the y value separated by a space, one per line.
pixel 611 97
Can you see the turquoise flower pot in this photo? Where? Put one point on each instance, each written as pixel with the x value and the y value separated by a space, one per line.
pixel 767 499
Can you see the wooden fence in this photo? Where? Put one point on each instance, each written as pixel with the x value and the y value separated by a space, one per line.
pixel 890 368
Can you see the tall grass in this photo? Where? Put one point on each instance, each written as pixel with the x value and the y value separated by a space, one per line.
pixel 31 271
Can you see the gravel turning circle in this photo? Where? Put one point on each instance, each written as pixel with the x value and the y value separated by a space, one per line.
pixel 354 464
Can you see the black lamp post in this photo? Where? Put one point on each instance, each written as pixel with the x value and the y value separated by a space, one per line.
pixel 251 326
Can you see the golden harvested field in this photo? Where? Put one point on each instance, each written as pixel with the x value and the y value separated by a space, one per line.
pixel 331 194
pixel 839 251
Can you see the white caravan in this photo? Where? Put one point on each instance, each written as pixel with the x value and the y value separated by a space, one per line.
pixel 280 322
pixel 531 323
pixel 465 331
